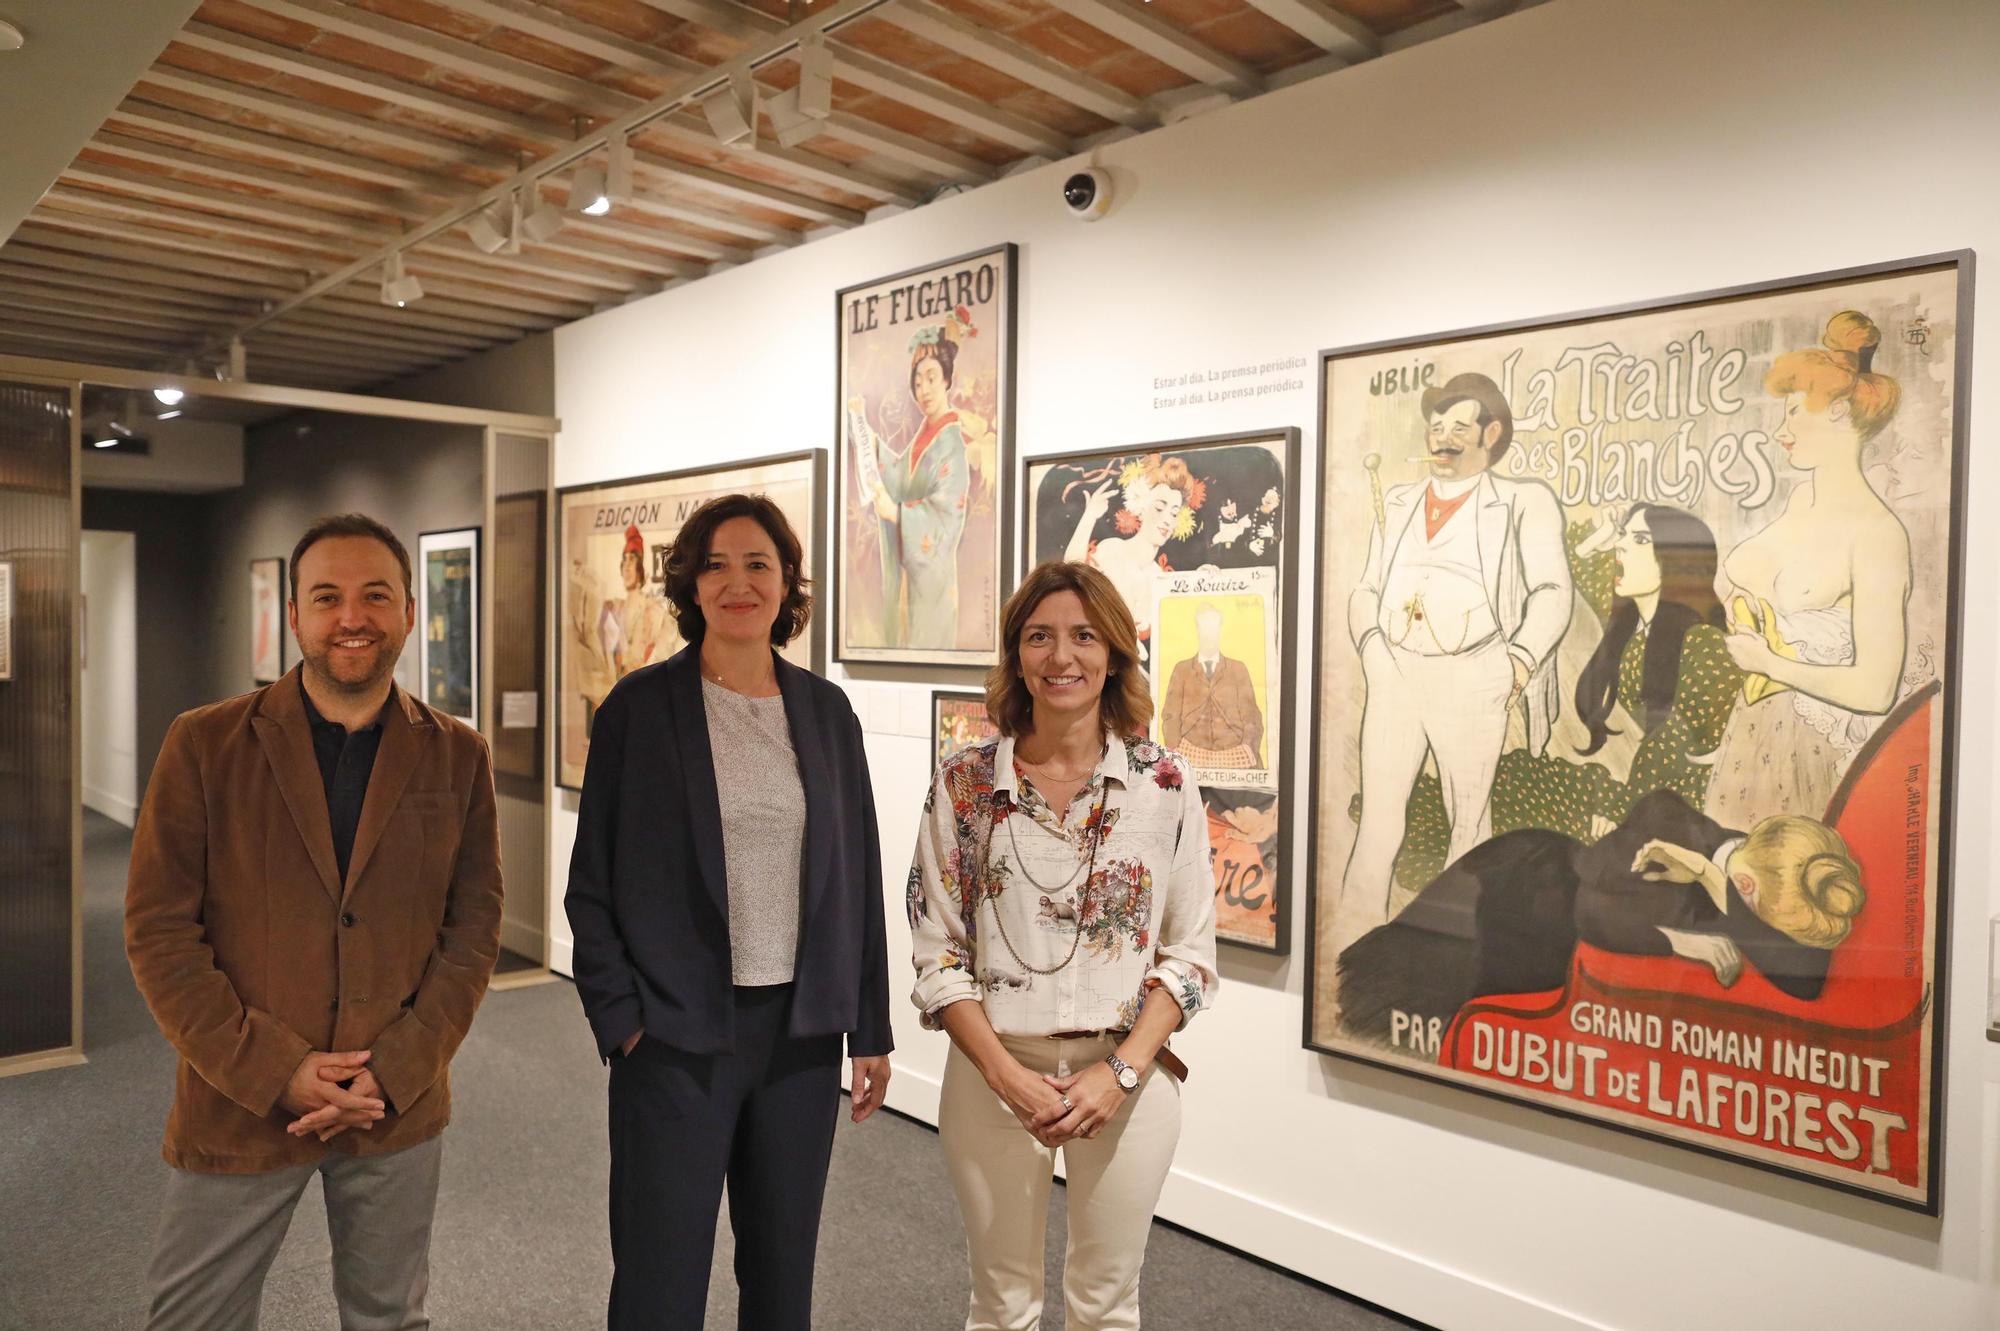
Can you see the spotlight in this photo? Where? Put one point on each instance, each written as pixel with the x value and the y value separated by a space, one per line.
pixel 732 113
pixel 398 287
pixel 540 224
pixel 168 397
pixel 487 228
pixel 110 442
pixel 168 415
pixel 589 191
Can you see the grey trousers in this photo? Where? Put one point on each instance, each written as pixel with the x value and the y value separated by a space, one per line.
pixel 219 1234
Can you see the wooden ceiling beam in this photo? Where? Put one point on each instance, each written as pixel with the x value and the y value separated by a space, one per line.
pixel 1142 30
pixel 136 112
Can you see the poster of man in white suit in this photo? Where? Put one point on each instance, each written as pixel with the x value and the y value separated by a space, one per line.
pixel 1457 615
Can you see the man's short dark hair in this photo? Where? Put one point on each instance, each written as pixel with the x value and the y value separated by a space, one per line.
pixel 690 549
pixel 1474 387
pixel 352 524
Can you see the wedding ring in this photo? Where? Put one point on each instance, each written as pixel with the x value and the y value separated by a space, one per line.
pixel 1066 1104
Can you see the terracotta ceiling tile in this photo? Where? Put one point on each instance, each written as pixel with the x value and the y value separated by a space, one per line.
pixel 1255 38
pixel 626 17
pixel 704 46
pixel 1140 75
pixel 255 23
pixel 1190 14
pixel 1071 41
pixel 888 42
pixel 216 66
pixel 908 120
pixel 438 18
pixel 547 54
pixel 498 96
pixel 321 94
pixel 370 56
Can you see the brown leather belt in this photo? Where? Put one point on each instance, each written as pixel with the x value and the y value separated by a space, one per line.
pixel 1175 1066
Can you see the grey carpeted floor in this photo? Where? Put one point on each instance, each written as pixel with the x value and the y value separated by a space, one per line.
pixel 521 1238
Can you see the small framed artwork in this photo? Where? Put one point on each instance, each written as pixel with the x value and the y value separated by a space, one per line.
pixel 924 424
pixel 958 721
pixel 6 619
pixel 267 620
pixel 448 612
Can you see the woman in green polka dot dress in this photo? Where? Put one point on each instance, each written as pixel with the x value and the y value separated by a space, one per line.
pixel 1662 659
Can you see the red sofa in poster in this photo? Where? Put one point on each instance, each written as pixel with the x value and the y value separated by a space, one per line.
pixel 1872 1006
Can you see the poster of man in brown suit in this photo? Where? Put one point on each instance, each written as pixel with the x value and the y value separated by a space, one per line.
pixel 1211 714
pixel 312 916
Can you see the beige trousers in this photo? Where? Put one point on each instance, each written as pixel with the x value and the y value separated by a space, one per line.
pixel 1002 1177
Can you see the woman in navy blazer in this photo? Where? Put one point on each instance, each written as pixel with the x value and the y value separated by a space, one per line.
pixel 725 895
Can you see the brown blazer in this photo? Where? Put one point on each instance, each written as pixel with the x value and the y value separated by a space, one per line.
pixel 252 953
pixel 1211 714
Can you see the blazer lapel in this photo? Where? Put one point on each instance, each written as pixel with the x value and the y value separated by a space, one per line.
pixel 682 674
pixel 406 729
pixel 1398 514
pixel 286 739
pixel 1493 514
pixel 808 745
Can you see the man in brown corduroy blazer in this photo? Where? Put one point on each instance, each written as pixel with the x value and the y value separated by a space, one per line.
pixel 312 916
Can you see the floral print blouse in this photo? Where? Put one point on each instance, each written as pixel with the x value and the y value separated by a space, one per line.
pixel 1144 913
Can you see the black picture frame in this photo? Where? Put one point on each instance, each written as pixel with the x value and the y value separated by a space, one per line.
pixel 852 653
pixel 1330 600
pixel 1285 440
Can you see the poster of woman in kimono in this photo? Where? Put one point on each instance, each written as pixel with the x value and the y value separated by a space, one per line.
pixel 1193 534
pixel 925 422
pixel 1637 648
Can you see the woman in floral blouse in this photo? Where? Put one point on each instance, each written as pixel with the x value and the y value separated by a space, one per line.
pixel 1063 918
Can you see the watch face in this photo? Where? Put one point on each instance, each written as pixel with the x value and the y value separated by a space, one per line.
pixel 1128 1077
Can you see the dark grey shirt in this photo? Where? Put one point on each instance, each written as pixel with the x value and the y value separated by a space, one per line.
pixel 346 761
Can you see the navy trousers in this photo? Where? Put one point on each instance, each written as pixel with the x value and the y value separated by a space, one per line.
pixel 759 1120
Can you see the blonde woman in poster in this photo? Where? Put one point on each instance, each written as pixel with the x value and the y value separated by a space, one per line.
pixel 1160 499
pixel 1062 916
pixel 1817 600
pixel 920 495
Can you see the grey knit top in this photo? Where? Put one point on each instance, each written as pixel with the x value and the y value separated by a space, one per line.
pixel 763 830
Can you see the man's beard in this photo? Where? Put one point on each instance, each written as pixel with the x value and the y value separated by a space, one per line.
pixel 320 662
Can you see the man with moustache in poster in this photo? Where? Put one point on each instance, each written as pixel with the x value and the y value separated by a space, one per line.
pixel 1458 612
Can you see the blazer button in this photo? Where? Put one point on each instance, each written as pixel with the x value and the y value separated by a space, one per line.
pixel 347 919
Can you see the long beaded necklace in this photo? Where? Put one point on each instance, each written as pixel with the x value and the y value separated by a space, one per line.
pixel 1094 824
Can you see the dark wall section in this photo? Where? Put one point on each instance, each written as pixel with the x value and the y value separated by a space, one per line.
pixel 172 536
pixel 37 745
pixel 413 476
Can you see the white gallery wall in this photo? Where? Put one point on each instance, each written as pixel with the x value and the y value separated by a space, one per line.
pixel 110 582
pixel 1581 154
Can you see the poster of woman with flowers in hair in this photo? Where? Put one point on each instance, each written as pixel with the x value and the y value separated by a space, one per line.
pixel 925 441
pixel 1193 535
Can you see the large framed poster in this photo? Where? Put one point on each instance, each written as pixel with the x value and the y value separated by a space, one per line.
pixel 448 614
pixel 1638 651
pixel 925 424
pixel 1194 535
pixel 520 623
pixel 613 540
pixel 267 619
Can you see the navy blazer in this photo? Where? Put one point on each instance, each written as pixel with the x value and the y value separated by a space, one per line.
pixel 648 897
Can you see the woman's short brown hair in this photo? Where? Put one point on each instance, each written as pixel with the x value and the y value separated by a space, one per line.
pixel 690 549
pixel 1126 703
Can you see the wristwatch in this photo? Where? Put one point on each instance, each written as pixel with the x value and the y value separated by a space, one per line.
pixel 1127 1075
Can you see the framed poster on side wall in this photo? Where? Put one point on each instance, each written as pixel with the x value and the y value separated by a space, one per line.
pixel 6 620
pixel 1195 535
pixel 520 623
pixel 267 620
pixel 448 619
pixel 958 721
pixel 1638 653
pixel 612 541
pixel 925 425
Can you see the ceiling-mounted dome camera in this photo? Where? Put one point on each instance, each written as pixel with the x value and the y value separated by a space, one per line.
pixel 1087 194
